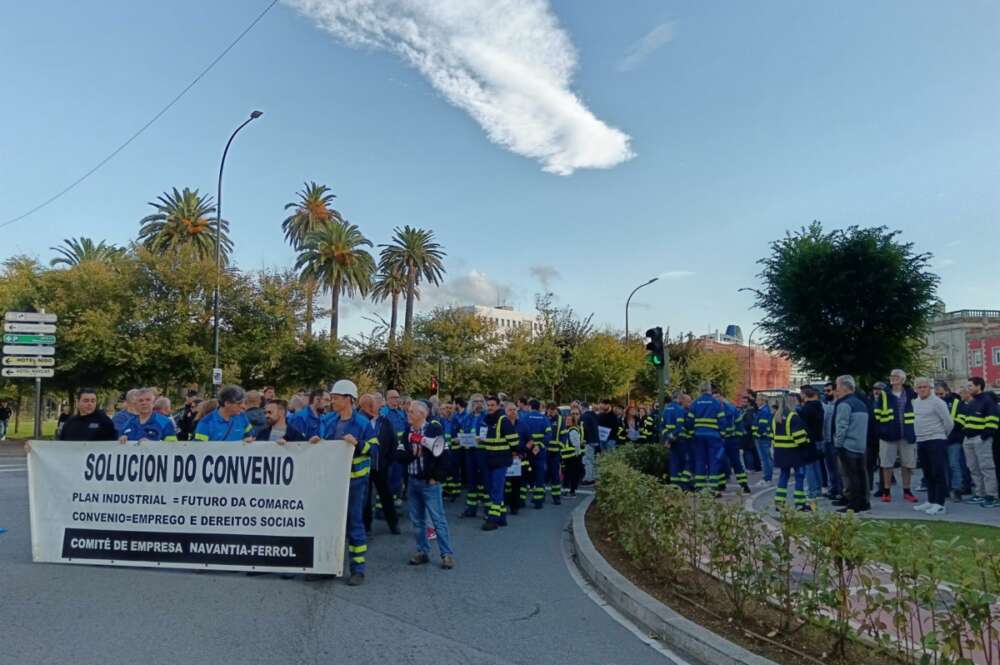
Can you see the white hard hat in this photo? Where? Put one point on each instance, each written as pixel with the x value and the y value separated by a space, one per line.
pixel 344 387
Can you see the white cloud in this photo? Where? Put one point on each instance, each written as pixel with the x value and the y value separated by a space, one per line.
pixel 657 37
pixel 507 63
pixel 544 274
pixel 676 274
pixel 472 288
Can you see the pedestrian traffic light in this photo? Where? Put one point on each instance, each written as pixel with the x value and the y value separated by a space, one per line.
pixel 654 345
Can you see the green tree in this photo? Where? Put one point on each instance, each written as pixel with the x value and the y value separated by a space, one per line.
pixel 334 257
pixel 455 337
pixel 183 220
pixel 310 213
pixel 79 250
pixel 600 367
pixel 415 254
pixel 855 300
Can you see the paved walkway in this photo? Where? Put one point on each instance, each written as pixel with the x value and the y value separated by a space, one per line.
pixel 511 600
pixel 897 509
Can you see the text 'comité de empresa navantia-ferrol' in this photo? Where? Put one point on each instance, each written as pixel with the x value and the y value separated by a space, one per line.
pixel 213 469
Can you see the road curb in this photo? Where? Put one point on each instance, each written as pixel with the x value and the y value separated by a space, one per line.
pixel 655 618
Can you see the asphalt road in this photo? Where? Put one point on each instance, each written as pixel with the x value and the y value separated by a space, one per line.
pixel 510 599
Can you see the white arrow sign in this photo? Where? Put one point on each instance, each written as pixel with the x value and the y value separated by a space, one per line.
pixel 18 350
pixel 43 328
pixel 26 317
pixel 28 361
pixel 25 372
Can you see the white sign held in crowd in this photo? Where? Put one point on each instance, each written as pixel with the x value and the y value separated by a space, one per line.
pixel 218 505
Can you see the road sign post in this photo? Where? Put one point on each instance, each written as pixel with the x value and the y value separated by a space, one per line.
pixel 28 339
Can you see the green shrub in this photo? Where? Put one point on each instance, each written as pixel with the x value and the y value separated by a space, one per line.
pixel 650 459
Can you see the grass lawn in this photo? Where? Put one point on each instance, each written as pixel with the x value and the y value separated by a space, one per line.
pixel 966 533
pixel 27 429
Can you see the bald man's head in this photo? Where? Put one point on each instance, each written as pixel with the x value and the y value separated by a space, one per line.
pixel 368 404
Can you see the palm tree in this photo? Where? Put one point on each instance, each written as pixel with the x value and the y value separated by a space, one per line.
pixel 78 250
pixel 389 283
pixel 309 213
pixel 414 253
pixel 183 219
pixel 333 256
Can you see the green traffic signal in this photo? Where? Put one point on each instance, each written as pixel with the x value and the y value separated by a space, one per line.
pixel 654 344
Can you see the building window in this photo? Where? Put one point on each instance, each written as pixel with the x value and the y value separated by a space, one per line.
pixel 977 358
pixel 943 363
pixel 996 355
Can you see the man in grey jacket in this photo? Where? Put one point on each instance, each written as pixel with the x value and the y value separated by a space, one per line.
pixel 850 437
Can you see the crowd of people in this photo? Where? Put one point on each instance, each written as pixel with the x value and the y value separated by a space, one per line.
pixel 842 444
pixel 506 455
pixel 502 455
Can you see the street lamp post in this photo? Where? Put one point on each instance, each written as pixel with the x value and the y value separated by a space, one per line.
pixel 628 390
pixel 217 371
pixel 629 300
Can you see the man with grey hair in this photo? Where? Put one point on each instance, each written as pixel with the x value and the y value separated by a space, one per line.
pixel 127 411
pixel 850 438
pixel 255 410
pixel 146 424
pixel 894 415
pixel 932 425
pixel 226 423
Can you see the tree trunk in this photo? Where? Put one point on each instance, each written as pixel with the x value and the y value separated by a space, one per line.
pixel 394 317
pixel 310 287
pixel 411 289
pixel 334 310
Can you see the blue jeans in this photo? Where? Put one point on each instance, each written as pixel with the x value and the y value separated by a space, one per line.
pixel 832 470
pixel 357 540
pixel 426 500
pixel 766 460
pixel 814 479
pixel 956 466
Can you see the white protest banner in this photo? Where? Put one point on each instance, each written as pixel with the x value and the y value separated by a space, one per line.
pixel 190 504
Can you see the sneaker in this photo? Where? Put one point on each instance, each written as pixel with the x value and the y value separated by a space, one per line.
pixel 935 509
pixel 357 579
pixel 886 498
pixel 922 507
pixel 762 483
pixel 909 496
pixel 975 499
pixel 418 559
pixel 432 534
pixel 989 502
pixel 447 563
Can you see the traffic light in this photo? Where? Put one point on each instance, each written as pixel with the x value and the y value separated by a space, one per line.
pixel 434 383
pixel 654 345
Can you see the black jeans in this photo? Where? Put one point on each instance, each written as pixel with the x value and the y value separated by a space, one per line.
pixel 574 472
pixel 933 457
pixel 379 479
pixel 856 481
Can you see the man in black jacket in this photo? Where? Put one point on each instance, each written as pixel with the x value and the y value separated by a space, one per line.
pixel 423 452
pixel 812 415
pixel 88 423
pixel 378 479
pixel 276 427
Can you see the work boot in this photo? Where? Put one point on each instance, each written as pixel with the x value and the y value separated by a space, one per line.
pixel 490 526
pixel 419 559
pixel 469 512
pixel 447 562
pixel 746 488
pixel 357 579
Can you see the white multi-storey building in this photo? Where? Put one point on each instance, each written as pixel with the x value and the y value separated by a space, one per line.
pixel 505 317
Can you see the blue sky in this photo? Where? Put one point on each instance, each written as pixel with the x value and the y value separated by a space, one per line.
pixel 723 125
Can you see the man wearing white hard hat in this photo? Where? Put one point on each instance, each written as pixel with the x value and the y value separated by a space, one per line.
pixel 345 423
